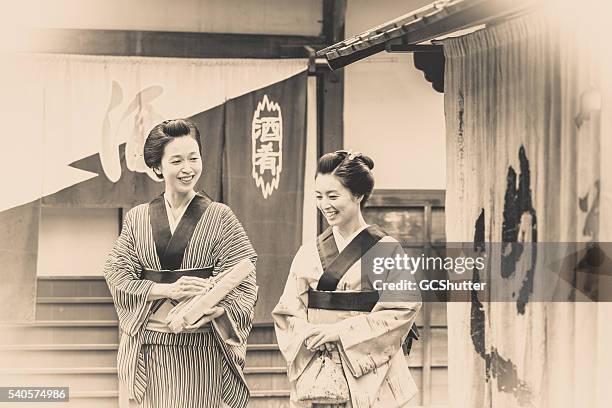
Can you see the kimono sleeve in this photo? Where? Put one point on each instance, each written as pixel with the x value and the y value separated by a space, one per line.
pixel 291 319
pixel 121 272
pixel 368 341
pixel 239 304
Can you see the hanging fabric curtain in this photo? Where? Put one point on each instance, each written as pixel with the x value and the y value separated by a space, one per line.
pixel 74 129
pixel 527 107
pixel 264 162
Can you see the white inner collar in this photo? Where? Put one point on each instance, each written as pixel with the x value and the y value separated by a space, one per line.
pixel 173 222
pixel 341 242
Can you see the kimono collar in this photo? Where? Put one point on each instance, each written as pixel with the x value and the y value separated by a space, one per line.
pixel 336 263
pixel 170 247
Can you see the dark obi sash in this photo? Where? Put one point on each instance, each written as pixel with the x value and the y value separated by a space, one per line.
pixel 167 276
pixel 357 301
pixel 170 247
pixel 336 264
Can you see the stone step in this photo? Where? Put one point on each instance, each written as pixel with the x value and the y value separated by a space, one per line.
pixel 266 378
pixel 78 379
pixel 84 401
pixel 75 308
pixel 269 399
pixel 262 333
pixel 51 356
pixel 264 355
pixel 91 399
pixel 58 332
pixel 74 286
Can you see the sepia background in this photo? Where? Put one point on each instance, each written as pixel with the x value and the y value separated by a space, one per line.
pixel 510 99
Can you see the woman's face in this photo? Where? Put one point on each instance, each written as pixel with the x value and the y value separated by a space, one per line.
pixel 181 164
pixel 338 205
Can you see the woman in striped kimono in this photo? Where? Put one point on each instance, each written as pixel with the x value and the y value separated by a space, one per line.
pixel 327 305
pixel 175 247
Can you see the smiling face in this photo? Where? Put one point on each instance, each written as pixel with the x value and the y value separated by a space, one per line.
pixel 338 205
pixel 181 164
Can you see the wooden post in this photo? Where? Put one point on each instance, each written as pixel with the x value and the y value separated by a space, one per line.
pixel 427 345
pixel 330 87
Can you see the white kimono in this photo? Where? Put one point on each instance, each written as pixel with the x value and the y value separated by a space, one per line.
pixel 370 342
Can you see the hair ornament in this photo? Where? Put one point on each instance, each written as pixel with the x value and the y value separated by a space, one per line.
pixel 350 155
pixel 353 155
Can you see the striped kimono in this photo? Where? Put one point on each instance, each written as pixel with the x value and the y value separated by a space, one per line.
pixel 371 331
pixel 188 369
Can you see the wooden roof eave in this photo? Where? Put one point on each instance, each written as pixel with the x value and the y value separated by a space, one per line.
pixel 427 23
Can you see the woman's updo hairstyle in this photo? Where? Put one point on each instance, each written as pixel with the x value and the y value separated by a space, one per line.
pixel 163 134
pixel 353 169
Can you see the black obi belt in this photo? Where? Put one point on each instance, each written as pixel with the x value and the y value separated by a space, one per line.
pixel 169 276
pixel 356 301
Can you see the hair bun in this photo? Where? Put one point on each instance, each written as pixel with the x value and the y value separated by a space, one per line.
pixel 176 127
pixel 350 155
pixel 367 160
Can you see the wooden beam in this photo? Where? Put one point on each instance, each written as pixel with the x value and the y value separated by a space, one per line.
pixel 416 48
pixel 463 15
pixel 330 87
pixel 429 22
pixel 169 44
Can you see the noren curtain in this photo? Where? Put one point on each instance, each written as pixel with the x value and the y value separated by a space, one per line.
pixel 527 105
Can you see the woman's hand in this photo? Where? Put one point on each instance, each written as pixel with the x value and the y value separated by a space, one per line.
pixel 322 337
pixel 208 317
pixel 186 286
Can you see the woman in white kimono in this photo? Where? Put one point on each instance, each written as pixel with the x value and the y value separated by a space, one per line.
pixel 175 247
pixel 327 304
